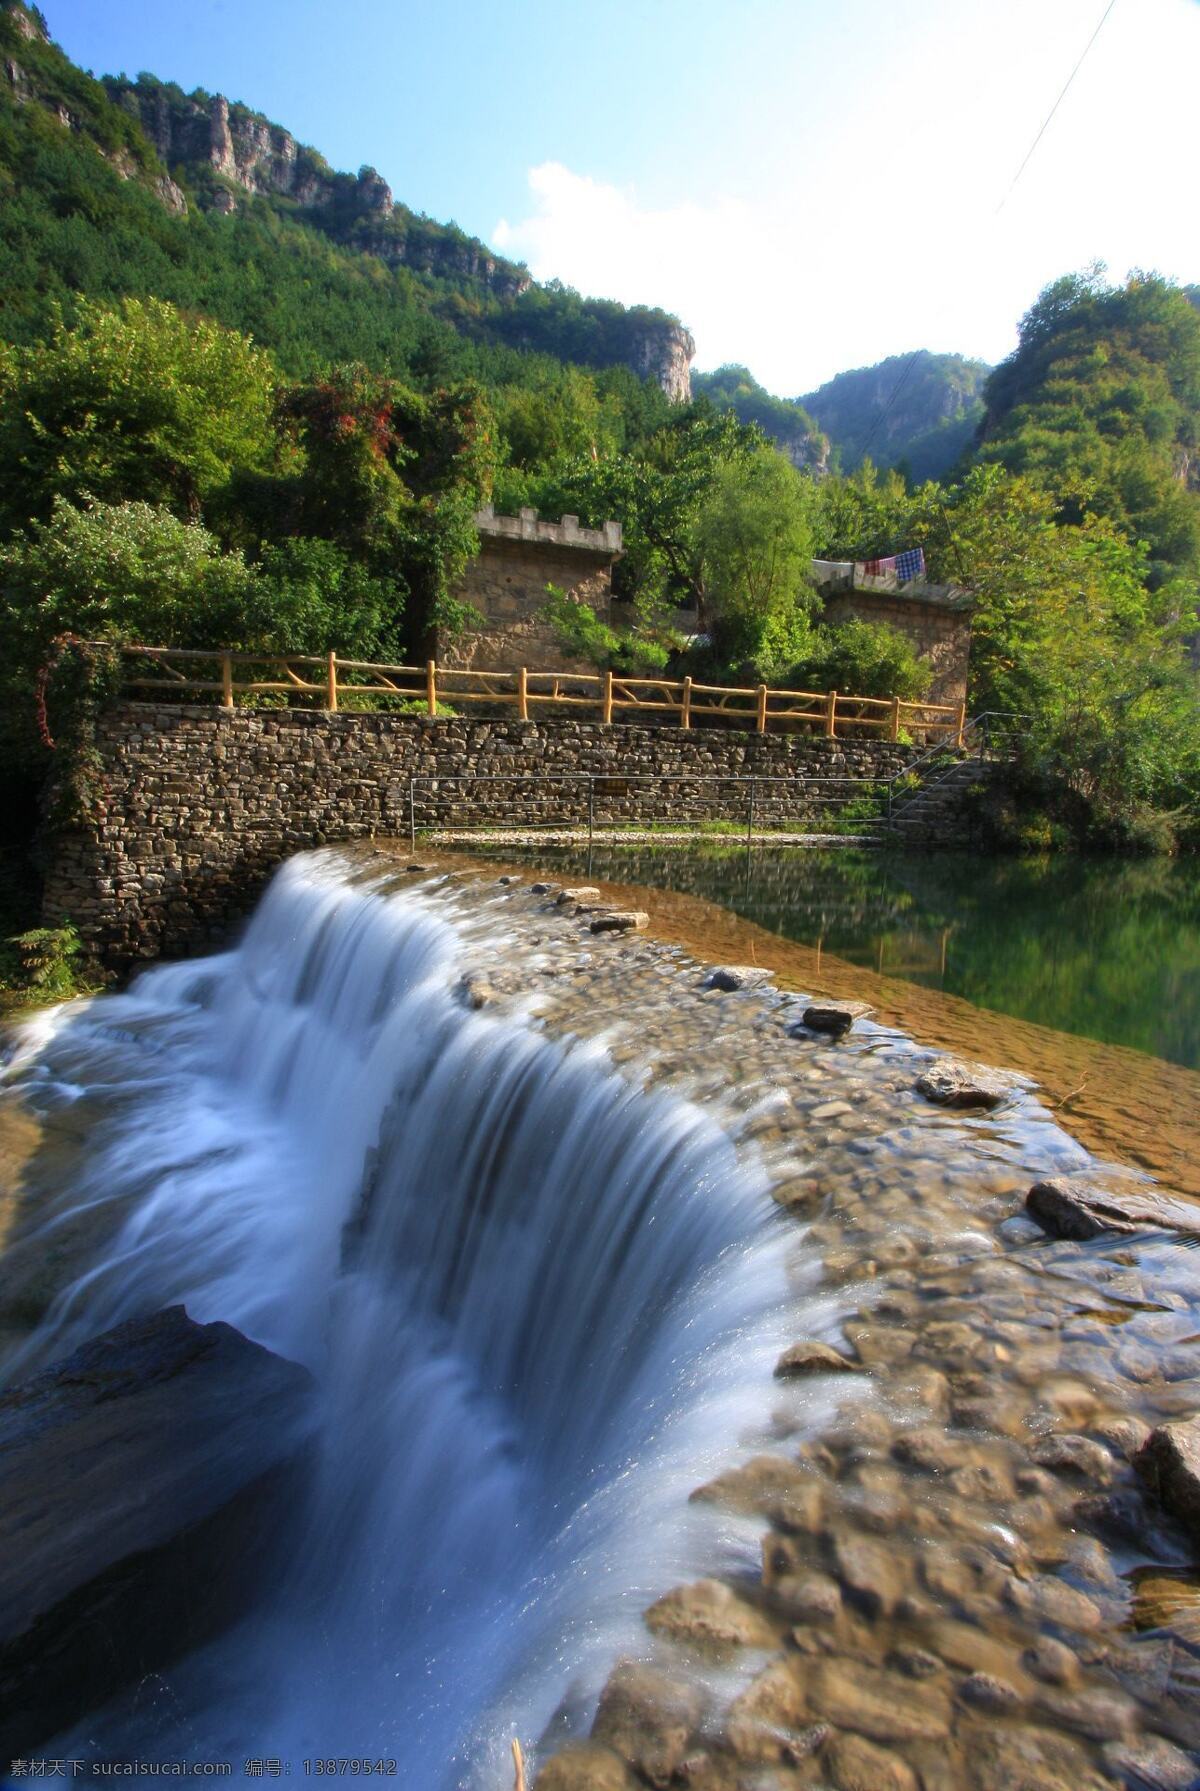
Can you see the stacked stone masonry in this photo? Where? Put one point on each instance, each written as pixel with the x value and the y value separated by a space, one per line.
pixel 940 633
pixel 519 556
pixel 200 805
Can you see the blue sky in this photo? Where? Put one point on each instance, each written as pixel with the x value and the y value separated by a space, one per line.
pixel 810 186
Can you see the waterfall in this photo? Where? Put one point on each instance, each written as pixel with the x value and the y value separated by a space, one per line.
pixel 541 1303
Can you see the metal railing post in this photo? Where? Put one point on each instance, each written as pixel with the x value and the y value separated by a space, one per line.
pixel 591 811
pixel 750 817
pixel 412 812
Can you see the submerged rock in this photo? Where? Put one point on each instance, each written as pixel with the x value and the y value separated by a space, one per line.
pixel 1169 1462
pixel 731 977
pixel 855 1764
pixel 1151 1764
pixel 621 920
pixel 142 1483
pixel 647 1718
pixel 586 1766
pixel 1069 1207
pixel 582 892
pixel 475 991
pixel 811 1357
pixel 709 1614
pixel 950 1083
pixel 1075 1455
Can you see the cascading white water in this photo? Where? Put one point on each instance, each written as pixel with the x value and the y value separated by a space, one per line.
pixel 540 1302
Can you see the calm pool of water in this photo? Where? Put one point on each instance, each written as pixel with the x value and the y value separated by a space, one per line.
pixel 1104 948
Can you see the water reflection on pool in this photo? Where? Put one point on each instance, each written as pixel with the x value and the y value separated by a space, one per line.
pixel 1106 949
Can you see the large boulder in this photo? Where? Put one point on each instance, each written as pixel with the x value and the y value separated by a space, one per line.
pixel 1067 1206
pixel 142 1482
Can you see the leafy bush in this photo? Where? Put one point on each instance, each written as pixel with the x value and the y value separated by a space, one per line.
pixel 45 959
pixel 131 571
pixel 310 596
pixel 585 636
pixel 870 659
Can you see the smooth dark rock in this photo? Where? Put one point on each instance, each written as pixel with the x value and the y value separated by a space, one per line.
pixel 835 1017
pixel 949 1083
pixel 731 977
pixel 1068 1207
pixel 142 1483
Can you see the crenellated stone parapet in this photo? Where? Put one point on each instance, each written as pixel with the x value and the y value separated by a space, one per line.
pixel 526 525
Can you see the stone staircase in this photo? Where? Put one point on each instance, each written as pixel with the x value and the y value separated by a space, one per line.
pixel 937 812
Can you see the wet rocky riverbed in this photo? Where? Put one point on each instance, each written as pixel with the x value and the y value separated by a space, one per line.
pixel 935 1567
pixel 962 1581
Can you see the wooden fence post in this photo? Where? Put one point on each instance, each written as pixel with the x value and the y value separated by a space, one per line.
pixel 962 722
pixel 226 681
pixel 331 684
pixel 431 685
pixel 523 694
pixel 762 708
pixel 685 717
pixel 606 714
pixel 831 715
pixel 895 733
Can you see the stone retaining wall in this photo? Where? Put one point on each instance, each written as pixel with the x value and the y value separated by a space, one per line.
pixel 200 805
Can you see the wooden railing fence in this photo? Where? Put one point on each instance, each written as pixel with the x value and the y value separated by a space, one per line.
pixel 341 683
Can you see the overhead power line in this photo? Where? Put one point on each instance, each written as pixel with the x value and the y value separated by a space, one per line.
pixel 882 416
pixel 1054 108
pixel 900 384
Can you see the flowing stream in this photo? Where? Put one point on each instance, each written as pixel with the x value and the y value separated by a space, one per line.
pixel 540 1301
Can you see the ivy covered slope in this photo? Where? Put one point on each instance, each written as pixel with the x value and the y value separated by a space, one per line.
pixel 119 188
pixel 917 412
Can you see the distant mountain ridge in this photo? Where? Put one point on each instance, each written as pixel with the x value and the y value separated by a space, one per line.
pixel 917 411
pixel 920 410
pixel 734 387
pixel 251 215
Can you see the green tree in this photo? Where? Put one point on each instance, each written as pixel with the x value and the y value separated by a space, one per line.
pixel 135 402
pixel 754 544
pixel 1070 632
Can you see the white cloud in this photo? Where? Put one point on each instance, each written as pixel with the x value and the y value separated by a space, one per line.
pixel 855 226
pixel 751 282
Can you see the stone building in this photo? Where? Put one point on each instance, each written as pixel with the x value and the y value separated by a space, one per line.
pixel 518 557
pixel 935 618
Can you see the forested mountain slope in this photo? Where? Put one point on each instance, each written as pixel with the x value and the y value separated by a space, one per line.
pixel 918 411
pixel 121 188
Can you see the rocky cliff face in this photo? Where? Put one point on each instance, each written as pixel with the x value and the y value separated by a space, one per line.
pixel 241 146
pixel 250 153
pixel 664 352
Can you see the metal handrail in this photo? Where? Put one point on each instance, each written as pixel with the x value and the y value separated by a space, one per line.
pixel 754 786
